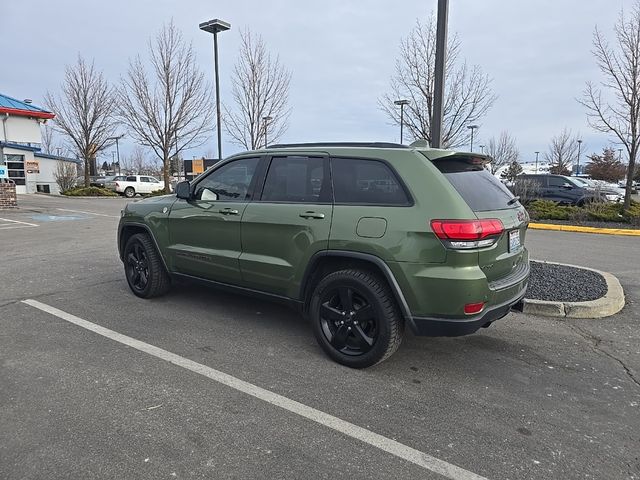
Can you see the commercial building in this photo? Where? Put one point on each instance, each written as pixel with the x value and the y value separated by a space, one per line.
pixel 21 147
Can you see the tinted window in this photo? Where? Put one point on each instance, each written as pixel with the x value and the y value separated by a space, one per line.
pixel 296 180
pixel 536 180
pixel 365 182
pixel 131 179
pixel 229 182
pixel 145 179
pixel 557 181
pixel 480 189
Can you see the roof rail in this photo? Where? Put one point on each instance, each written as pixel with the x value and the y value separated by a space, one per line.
pixel 339 144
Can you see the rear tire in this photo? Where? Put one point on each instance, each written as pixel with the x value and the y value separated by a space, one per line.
pixel 355 318
pixel 129 192
pixel 143 267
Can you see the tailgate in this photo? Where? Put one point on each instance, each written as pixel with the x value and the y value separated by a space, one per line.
pixel 507 257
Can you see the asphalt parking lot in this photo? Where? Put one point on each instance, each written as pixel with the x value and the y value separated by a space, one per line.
pixel 528 398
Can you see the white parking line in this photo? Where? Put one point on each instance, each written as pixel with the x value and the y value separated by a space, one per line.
pixel 12 222
pixel 88 213
pixel 388 445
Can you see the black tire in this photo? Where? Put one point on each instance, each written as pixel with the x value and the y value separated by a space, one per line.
pixel 356 340
pixel 143 267
pixel 129 192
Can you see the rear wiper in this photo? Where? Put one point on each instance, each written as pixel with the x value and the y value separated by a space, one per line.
pixel 513 200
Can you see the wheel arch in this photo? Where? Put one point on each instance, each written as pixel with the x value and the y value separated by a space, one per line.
pixel 327 261
pixel 128 230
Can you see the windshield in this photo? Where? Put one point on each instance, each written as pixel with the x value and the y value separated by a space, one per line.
pixel 480 189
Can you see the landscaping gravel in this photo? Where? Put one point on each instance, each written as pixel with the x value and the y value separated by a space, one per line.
pixel 564 284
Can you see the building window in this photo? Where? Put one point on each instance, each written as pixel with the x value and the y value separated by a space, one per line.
pixel 15 168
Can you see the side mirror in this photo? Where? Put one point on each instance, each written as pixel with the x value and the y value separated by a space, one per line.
pixel 183 190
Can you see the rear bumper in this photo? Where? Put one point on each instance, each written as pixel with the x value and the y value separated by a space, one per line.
pixel 455 327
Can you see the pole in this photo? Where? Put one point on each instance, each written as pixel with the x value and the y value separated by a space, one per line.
pixel 438 90
pixel 266 142
pixel 537 161
pixel 578 165
pixel 218 116
pixel 401 120
pixel 472 130
pixel 118 155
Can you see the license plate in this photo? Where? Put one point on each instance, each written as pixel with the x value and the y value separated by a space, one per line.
pixel 514 240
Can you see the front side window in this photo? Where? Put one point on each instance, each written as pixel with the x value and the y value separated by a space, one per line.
pixel 297 179
pixel 131 179
pixel 144 179
pixel 557 181
pixel 230 182
pixel 365 182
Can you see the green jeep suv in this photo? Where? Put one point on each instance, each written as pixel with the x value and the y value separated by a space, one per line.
pixel 360 238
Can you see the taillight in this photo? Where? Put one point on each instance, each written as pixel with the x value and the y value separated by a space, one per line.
pixel 463 234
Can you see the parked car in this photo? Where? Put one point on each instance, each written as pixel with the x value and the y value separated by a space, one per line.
pixel 362 239
pixel 110 182
pixel 562 189
pixel 610 188
pixel 134 184
pixel 97 181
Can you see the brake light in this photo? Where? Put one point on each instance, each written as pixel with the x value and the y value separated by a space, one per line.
pixel 463 234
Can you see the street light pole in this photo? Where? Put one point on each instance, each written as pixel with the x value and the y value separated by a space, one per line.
pixel 117 149
pixel 578 165
pixel 537 161
pixel 214 26
pixel 482 148
pixel 438 84
pixel 472 128
pixel 402 103
pixel 265 122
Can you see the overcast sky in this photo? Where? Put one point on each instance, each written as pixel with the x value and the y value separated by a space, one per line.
pixel 341 54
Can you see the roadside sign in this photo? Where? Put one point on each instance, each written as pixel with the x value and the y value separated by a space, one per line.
pixel 197 166
pixel 4 173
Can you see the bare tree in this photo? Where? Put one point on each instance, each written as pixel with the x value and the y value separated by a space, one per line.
pixel 139 162
pixel 65 175
pixel 260 94
pixel 618 114
pixel 503 150
pixel 168 108
pixel 563 153
pixel 84 111
pixel 48 141
pixel 468 93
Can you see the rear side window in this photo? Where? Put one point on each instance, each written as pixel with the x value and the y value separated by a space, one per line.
pixel 297 179
pixel 131 179
pixel 365 182
pixel 477 186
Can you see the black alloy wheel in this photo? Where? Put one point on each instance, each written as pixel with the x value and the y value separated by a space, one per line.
pixel 137 266
pixel 348 320
pixel 355 318
pixel 143 267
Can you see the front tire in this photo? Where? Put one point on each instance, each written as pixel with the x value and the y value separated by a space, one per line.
pixel 355 318
pixel 129 192
pixel 143 267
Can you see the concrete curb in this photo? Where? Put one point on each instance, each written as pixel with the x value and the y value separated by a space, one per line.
pixel 579 229
pixel 610 304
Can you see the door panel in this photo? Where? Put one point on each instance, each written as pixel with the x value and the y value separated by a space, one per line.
pixel 291 222
pixel 205 231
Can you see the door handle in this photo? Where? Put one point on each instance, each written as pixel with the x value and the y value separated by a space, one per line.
pixel 312 215
pixel 228 211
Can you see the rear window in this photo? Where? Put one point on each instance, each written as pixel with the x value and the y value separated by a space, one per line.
pixel 480 189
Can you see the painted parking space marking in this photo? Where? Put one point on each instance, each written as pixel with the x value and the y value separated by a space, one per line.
pixel 381 442
pixel 87 213
pixel 7 224
pixel 44 217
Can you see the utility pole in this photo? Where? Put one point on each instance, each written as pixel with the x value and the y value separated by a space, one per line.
pixel 438 88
